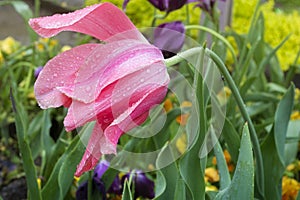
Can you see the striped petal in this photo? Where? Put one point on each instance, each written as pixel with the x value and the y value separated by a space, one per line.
pixel 60 72
pixel 100 21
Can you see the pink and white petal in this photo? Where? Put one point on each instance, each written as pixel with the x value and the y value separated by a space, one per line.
pixel 117 97
pixel 134 115
pixel 80 113
pixel 100 21
pixel 111 62
pixel 60 72
pixel 96 146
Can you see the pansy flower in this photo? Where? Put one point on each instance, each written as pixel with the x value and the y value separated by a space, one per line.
pixel 114 82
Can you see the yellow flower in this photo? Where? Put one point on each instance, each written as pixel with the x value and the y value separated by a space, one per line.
pixel 1 58
pixel 76 179
pixel 223 95
pixel 168 105
pixel 212 174
pixel 211 188
pixel 65 48
pixel 181 143
pixel 295 115
pixel 297 94
pixel 39 182
pixel 290 188
pixel 8 45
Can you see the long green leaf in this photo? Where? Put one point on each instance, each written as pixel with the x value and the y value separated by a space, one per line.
pixel 160 184
pixel 242 185
pixel 21 8
pixel 180 192
pixel 63 173
pixel 282 118
pixel 126 195
pixel 28 164
pixel 170 174
pixel 273 147
pixel 222 167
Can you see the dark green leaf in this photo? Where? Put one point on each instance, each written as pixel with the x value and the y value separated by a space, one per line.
pixel 126 195
pixel 282 118
pixel 232 140
pixel 28 164
pixel 62 175
pixel 242 185
pixel 222 167
pixel 273 147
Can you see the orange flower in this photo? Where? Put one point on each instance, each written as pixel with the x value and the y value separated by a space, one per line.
pixel 182 119
pixel 168 105
pixel 290 188
pixel 212 175
pixel 228 160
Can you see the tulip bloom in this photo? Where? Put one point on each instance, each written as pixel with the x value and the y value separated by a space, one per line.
pixel 163 5
pixel 97 183
pixel 114 83
pixel 169 37
pixel 143 186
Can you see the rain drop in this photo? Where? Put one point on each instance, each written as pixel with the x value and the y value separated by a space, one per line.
pixel 142 80
pixel 88 88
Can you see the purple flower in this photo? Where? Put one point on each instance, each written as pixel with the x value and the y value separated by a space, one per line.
pixel 37 71
pixel 169 38
pixel 164 5
pixel 143 186
pixel 100 169
pixel 206 5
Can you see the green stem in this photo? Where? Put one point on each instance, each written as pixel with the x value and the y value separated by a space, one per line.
pixel 199 88
pixel 37 5
pixel 256 146
pixel 90 185
pixel 156 17
pixel 217 35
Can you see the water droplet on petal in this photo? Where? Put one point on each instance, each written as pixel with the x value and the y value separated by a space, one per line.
pixel 88 88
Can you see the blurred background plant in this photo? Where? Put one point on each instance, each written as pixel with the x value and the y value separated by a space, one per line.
pixel 266 41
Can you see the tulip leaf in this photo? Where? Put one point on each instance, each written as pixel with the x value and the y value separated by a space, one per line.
pixel 273 146
pixel 232 139
pixel 62 175
pixel 192 171
pixel 126 195
pixel 160 184
pixel 180 192
pixel 222 167
pixel 242 184
pixel 282 118
pixel 28 164
pixel 291 146
pixel 170 173
pixel 21 8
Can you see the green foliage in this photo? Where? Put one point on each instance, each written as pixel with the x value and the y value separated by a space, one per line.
pixel 242 185
pixel 260 135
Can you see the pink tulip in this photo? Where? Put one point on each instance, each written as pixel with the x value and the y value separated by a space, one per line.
pixel 115 83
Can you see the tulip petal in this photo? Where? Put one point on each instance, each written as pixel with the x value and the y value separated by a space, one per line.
pixel 97 145
pixel 117 97
pixel 100 21
pixel 60 72
pixel 134 115
pixel 105 143
pixel 111 62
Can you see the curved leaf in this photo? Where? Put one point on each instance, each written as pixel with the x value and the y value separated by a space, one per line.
pixel 242 185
